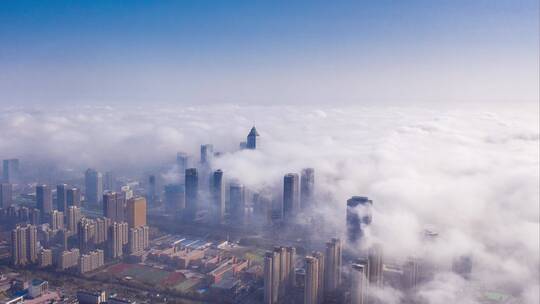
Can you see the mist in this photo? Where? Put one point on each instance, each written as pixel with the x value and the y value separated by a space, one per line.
pixel 470 173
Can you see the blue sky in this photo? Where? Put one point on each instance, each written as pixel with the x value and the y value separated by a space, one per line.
pixel 267 51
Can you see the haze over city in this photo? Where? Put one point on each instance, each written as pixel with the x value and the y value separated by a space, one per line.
pixel 269 152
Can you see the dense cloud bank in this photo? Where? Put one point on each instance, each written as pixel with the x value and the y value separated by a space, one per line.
pixel 471 174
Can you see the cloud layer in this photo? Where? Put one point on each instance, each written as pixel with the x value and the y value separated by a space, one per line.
pixel 470 173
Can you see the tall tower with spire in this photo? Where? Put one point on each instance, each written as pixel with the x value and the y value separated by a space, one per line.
pixel 252 139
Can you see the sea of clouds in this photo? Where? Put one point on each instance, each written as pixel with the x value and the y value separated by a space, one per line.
pixel 471 172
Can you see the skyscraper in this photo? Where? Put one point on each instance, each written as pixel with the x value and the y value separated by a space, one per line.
pixel 182 162
pixel 175 200
pixel 217 194
pixel 207 153
pixel 61 197
pixel 251 142
pixel 291 199
pixel 73 197
pixel 320 288
pixel 358 216
pixel 57 220
pixel 138 239
pixel 359 284
pixel 151 193
pixel 332 264
pixel 94 186
pixel 307 187
pixel 237 202
pixel 10 170
pixel 44 199
pixel 271 277
pixel 118 237
pixel 109 181
pixel 24 245
pixel 74 215
pixel 136 212
pixel 278 273
pixel 311 281
pixel 375 257
pixel 192 194
pixel 6 196
pixel 114 206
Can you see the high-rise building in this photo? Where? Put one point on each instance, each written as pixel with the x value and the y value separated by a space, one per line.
pixel 61 197
pixel 175 200
pixel 291 199
pixel 307 187
pixel 207 153
pixel 359 284
pixel 192 194
pixel 278 273
pixel 74 216
pixel 86 233
pixel 136 212
pixel 251 142
pixel 91 261
pixel 320 280
pixel 6 195
pixel 138 239
pixel 358 216
pixel 34 216
pixel 332 265
pixel 57 220
pixel 410 273
pixel 114 206
pixel 375 257
pixel 118 237
pixel 126 192
pixel 102 230
pixel 151 192
pixel 94 186
pixel 45 258
pixel 182 162
pixel 462 266
pixel 271 277
pixel 217 200
pixel 237 203
pixel 24 245
pixel 10 170
pixel 311 285
pixel 44 199
pixel 109 181
pixel 67 259
pixel 73 197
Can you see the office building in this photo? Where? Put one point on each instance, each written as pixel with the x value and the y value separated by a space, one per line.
pixel 61 197
pixel 311 285
pixel 358 217
pixel 152 192
pixel 251 142
pixel 44 199
pixel 73 197
pixel 6 195
pixel 192 194
pixel 307 187
pixel 332 264
pixel 136 212
pixel 182 163
pixel 291 198
pixel 93 186
pixel 138 239
pixel 109 181
pixel 237 203
pixel 114 206
pixel 217 198
pixel 10 171
pixel 207 154
pixel 359 284
pixel 24 245
pixel 175 200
